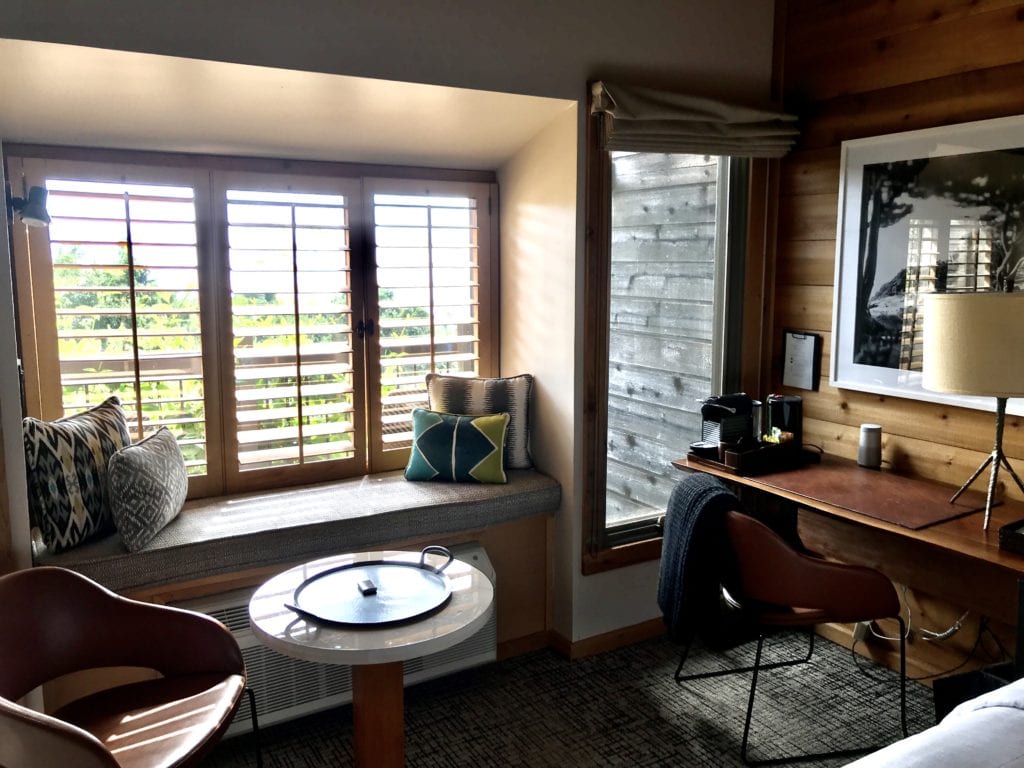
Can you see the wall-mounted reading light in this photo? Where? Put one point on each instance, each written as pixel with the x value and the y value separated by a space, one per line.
pixel 32 210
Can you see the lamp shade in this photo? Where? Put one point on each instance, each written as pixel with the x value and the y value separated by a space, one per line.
pixel 974 343
pixel 33 211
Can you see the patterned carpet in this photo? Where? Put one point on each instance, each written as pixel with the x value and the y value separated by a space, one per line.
pixel 616 709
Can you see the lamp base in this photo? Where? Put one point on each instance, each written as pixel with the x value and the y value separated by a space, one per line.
pixel 997 458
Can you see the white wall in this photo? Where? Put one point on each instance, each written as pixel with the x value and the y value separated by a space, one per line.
pixel 534 47
pixel 538 279
pixel 537 47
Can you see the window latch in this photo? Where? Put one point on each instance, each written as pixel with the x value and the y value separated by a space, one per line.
pixel 364 328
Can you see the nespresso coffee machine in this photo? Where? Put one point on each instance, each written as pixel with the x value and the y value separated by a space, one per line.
pixel 733 419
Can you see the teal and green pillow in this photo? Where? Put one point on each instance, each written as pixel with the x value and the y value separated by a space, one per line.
pixel 457 448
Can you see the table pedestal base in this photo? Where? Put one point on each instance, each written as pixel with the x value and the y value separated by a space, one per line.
pixel 378 715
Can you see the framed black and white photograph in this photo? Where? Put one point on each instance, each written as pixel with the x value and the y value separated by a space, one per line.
pixel 933 211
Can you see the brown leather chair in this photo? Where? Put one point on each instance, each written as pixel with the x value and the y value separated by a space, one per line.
pixel 54 622
pixel 779 587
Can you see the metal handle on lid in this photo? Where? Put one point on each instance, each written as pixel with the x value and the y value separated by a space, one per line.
pixel 436 549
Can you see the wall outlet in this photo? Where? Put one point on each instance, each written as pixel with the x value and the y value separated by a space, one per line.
pixel 861 631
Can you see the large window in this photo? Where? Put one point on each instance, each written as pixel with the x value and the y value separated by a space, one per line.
pixel 667 284
pixel 281 325
pixel 664 321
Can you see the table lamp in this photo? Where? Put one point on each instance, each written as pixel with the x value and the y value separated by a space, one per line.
pixel 974 345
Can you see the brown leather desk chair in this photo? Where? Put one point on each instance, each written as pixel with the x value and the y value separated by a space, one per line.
pixel 777 587
pixel 54 622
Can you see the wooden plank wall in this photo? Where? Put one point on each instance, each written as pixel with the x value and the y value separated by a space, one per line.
pixel 866 68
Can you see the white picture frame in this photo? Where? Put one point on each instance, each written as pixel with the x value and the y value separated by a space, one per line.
pixel 918 212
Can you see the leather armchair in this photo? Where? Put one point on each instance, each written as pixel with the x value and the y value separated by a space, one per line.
pixel 54 622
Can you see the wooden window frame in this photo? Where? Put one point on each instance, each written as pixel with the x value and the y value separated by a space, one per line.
pixel 215 295
pixel 748 333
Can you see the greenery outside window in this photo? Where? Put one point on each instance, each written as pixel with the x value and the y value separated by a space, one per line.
pixel 280 324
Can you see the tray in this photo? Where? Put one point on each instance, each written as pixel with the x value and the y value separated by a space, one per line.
pixel 375 592
pixel 760 461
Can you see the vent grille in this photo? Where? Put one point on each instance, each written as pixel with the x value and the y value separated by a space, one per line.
pixel 234 617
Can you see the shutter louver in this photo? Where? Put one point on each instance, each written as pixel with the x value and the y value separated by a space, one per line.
pixel 291 327
pixel 126 298
pixel 427 268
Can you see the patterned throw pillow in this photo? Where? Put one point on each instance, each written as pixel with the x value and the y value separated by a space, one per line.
pixel 457 448
pixel 511 395
pixel 66 463
pixel 148 484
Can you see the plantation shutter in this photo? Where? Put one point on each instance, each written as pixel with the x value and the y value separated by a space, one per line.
pixel 429 253
pixel 125 304
pixel 290 282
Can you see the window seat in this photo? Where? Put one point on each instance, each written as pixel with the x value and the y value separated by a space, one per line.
pixel 234 533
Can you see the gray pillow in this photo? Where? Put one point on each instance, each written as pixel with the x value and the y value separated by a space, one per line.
pixel 476 397
pixel 148 484
pixel 66 468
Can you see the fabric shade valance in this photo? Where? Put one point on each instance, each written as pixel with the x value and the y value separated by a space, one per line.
pixel 650 120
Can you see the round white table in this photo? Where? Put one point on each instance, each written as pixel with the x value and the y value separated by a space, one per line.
pixel 374 653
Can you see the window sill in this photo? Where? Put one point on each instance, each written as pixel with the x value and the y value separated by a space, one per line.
pixel 230 534
pixel 621 556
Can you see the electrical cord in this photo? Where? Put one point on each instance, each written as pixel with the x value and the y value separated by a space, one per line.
pixel 983 628
pixel 926 634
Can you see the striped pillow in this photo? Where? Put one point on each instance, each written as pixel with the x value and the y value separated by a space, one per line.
pixel 475 397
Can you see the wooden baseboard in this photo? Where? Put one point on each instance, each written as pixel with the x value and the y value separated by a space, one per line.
pixel 520 645
pixel 609 641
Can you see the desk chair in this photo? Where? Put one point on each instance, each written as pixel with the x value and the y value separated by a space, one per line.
pixel 54 621
pixel 778 587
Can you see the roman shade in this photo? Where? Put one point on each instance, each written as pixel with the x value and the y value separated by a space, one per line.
pixel 652 120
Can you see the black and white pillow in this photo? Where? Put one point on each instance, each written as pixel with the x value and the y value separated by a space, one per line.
pixel 475 397
pixel 66 465
pixel 148 484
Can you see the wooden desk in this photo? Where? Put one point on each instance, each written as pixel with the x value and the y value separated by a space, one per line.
pixel 955 560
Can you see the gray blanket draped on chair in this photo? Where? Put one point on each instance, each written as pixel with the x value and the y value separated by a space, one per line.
pixel 694 556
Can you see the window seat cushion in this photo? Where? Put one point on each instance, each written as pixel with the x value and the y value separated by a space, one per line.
pixel 235 533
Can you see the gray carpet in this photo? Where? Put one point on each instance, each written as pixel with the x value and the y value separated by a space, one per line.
pixel 621 708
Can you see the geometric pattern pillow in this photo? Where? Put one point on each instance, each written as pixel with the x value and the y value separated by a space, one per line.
pixel 457 448
pixel 511 395
pixel 148 484
pixel 66 465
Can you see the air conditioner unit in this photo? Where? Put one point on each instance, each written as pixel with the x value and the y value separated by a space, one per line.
pixel 288 688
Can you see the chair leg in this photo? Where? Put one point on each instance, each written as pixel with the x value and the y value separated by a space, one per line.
pixel 682 660
pixel 681 678
pixel 903 675
pixel 255 726
pixel 750 699
pixel 852 752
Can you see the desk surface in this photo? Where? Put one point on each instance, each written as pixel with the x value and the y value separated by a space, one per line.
pixel 281 629
pixel 820 487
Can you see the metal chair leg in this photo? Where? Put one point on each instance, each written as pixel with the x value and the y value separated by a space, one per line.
pixel 682 660
pixel 681 678
pixel 255 726
pixel 903 675
pixel 851 752
pixel 750 699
